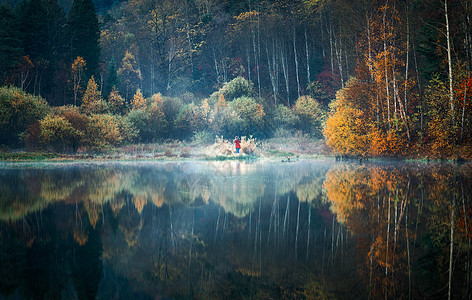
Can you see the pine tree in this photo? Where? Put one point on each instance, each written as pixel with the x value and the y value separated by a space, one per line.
pixel 112 77
pixel 10 43
pixel 83 33
pixel 34 29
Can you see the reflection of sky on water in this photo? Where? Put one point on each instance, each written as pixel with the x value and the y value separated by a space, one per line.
pixel 230 229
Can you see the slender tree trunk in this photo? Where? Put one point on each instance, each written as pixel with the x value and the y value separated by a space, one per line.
pixel 322 36
pixel 296 60
pixel 285 71
pixel 248 64
pixel 385 62
pixel 449 62
pixel 407 55
pixel 463 107
pixel 307 59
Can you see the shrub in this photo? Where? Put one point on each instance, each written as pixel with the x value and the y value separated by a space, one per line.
pixel 189 120
pixel 285 118
pixel 140 119
pixel 58 133
pixel 226 121
pixel 251 115
pixel 236 88
pixel 171 108
pixel 249 145
pixel 18 111
pixel 310 115
pixel 128 131
pixel 73 115
pixel 157 118
pixel 103 132
pixel 202 137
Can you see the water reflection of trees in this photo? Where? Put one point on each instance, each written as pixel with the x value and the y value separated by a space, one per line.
pixel 238 230
pixel 412 226
pixel 228 230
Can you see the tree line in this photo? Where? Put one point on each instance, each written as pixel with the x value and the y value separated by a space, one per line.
pixel 398 71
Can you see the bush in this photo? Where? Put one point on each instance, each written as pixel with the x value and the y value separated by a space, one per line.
pixel 103 132
pixel 18 111
pixel 58 133
pixel 202 137
pixel 140 119
pixel 171 108
pixel 157 118
pixel 189 120
pixel 251 115
pixel 236 88
pixel 285 118
pixel 310 115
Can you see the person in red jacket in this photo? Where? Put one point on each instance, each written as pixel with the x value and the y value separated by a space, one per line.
pixel 237 142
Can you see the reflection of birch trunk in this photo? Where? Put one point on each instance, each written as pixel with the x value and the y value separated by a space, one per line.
pixel 332 242
pixel 408 252
pixel 451 248
pixel 296 232
pixel 323 259
pixel 308 233
pixel 286 215
pixel 250 223
pixel 386 248
pixel 217 223
pixel 467 269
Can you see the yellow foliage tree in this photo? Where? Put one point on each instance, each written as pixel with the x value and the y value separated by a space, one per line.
pixel 77 69
pixel 92 102
pixel 138 101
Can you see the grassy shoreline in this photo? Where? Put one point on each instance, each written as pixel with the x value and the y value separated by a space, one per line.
pixel 283 149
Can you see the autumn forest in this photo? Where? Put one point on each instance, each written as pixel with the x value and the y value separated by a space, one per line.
pixel 373 78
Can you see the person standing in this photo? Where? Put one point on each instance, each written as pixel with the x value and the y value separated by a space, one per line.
pixel 237 142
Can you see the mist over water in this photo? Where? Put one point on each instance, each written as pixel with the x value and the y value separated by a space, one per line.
pixel 235 230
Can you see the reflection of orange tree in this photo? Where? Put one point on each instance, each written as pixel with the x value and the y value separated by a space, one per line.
pixel 388 208
pixel 371 201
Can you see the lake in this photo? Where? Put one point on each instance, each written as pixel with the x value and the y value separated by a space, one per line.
pixel 307 229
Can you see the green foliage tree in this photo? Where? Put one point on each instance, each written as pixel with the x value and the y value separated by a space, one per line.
pixel 18 111
pixel 236 88
pixel 112 77
pixel 310 114
pixel 189 120
pixel 285 118
pixel 250 115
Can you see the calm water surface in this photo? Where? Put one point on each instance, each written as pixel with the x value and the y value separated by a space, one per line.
pixel 235 230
